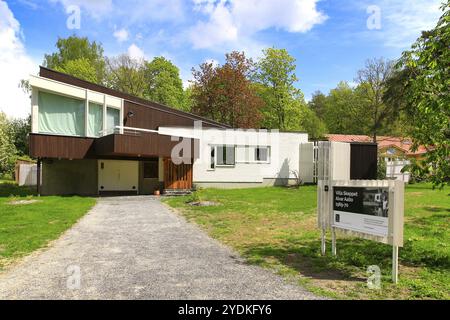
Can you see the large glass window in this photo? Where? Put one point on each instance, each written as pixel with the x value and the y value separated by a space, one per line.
pixel 61 115
pixel 95 120
pixel 112 119
pixel 225 156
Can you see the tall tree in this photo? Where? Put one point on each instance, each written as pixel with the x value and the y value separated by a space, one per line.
pixel 225 93
pixel 18 130
pixel 127 75
pixel 8 150
pixel 372 83
pixel 427 95
pixel 344 111
pixel 78 57
pixel 276 74
pixel 311 123
pixel 163 82
pixel 318 104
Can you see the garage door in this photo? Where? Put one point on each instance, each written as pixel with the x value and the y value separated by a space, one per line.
pixel 118 176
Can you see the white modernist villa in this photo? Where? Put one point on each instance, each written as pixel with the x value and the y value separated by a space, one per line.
pixel 90 139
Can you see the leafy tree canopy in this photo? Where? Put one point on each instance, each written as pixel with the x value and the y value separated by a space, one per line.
pixel 8 151
pixel 426 95
pixel 163 83
pixel 78 57
pixel 225 93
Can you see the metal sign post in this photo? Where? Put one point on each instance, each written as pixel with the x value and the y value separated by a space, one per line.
pixel 333 241
pixel 395 264
pixel 369 209
pixel 323 243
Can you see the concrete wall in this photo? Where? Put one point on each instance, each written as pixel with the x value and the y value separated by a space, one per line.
pixel 67 177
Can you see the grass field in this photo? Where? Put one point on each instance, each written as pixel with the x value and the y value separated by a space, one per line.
pixel 276 228
pixel 28 222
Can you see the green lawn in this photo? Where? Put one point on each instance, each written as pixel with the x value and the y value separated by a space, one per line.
pixel 276 228
pixel 27 227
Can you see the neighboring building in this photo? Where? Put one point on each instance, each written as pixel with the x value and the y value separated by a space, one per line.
pixel 92 140
pixel 395 151
pixel 391 148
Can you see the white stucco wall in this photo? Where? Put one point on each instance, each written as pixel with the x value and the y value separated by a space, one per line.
pixel 283 155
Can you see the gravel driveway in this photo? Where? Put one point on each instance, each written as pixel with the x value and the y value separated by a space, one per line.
pixel 136 248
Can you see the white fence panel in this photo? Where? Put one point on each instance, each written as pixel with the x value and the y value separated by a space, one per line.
pixel 27 175
pixel 394 170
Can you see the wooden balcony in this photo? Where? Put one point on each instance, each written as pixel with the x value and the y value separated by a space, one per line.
pixel 139 145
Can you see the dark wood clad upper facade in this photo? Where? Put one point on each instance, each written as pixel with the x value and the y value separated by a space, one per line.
pixel 146 115
pixel 156 114
pixel 62 147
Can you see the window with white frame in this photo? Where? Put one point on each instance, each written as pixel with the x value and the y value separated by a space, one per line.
pixel 262 154
pixel 112 119
pixel 61 115
pixel 95 120
pixel 225 155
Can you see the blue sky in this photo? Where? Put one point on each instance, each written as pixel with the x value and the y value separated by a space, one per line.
pixel 330 39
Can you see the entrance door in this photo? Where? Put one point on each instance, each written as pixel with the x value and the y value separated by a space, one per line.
pixel 118 176
pixel 177 176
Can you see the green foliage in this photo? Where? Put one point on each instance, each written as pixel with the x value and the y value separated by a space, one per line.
pixel 163 82
pixel 381 168
pixel 318 104
pixel 367 108
pixel 427 96
pixel 282 100
pixel 371 87
pixel 344 111
pixel 126 75
pixel 8 151
pixel 311 123
pixel 78 57
pixel 80 68
pixel 18 132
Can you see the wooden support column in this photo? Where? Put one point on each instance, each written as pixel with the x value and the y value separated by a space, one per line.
pixel 38 178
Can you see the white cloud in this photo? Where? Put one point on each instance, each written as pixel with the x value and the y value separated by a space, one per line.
pixel 219 28
pixel 15 65
pixel 121 35
pixel 131 10
pixel 95 8
pixel 135 52
pixel 238 20
pixel 402 22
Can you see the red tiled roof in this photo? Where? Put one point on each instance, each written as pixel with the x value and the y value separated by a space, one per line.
pixel 403 144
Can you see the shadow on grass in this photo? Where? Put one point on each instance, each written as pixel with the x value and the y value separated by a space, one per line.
pixel 353 258
pixel 12 189
pixel 436 209
pixel 305 259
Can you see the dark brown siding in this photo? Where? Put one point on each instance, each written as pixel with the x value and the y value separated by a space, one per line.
pixel 64 147
pixel 177 176
pixel 144 145
pixel 363 161
pixel 184 118
pixel 147 118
